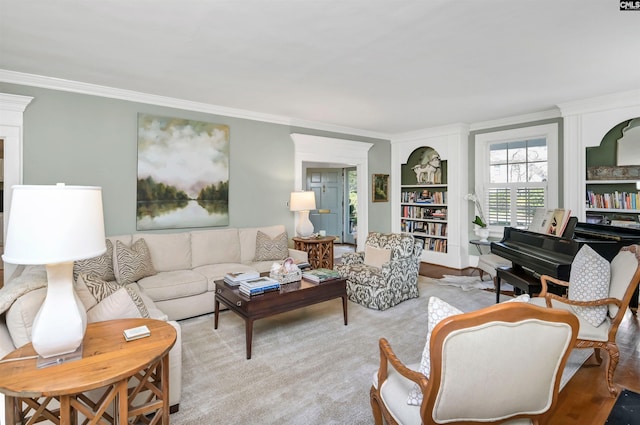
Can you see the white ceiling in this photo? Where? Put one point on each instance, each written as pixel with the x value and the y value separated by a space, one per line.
pixel 377 65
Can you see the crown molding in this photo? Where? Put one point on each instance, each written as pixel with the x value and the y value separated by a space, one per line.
pixel 601 103
pixel 25 79
pixel 517 119
pixel 459 128
pixel 14 102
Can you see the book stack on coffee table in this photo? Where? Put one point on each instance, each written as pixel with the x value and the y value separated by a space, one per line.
pixel 259 285
pixel 234 278
pixel 320 275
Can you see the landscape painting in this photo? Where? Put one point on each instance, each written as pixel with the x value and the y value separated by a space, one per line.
pixel 183 173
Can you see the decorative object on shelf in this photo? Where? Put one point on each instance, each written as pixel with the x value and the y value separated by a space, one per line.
pixel 428 170
pixel 481 229
pixel 479 219
pixel 607 172
pixel 286 272
pixel 303 202
pixel 380 188
pixel 183 173
pixel 55 225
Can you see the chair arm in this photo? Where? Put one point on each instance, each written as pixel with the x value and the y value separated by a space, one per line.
pixel 543 282
pixel 387 356
pixel 548 296
pixel 592 303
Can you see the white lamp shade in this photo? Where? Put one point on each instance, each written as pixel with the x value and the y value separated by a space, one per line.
pixel 302 201
pixel 54 224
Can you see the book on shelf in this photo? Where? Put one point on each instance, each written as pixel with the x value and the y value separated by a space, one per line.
pixel 234 278
pixel 320 275
pixel 550 221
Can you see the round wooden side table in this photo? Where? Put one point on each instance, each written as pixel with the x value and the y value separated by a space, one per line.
pixel 108 363
pixel 319 250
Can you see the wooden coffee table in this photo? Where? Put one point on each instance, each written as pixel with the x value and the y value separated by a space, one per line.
pixel 291 296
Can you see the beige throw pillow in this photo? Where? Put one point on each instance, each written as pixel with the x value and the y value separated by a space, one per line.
pixel 376 257
pixel 437 310
pixel 132 264
pixel 122 304
pixel 110 300
pixel 268 249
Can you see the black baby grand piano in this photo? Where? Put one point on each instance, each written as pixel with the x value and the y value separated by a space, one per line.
pixel 534 254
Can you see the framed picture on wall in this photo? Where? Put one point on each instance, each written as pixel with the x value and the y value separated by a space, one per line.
pixel 380 188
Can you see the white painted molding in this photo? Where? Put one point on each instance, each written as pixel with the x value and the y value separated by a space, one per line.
pixel 11 129
pixel 170 102
pixel 317 149
pixel 601 103
pixel 517 119
pixel 427 133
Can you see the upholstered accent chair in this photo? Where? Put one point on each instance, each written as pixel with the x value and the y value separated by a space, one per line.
pixel 467 382
pixel 386 273
pixel 623 281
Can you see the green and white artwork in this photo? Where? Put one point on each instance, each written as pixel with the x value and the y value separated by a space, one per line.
pixel 183 173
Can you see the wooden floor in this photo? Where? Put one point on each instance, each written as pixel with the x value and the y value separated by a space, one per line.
pixel 585 400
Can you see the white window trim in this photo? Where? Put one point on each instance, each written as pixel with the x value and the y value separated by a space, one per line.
pixel 482 142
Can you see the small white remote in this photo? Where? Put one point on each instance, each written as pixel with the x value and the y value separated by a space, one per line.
pixel 136 333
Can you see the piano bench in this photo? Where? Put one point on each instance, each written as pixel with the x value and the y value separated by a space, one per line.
pixel 520 281
pixel 489 263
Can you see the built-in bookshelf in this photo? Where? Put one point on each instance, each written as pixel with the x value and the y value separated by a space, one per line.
pixel 612 194
pixel 424 214
pixel 423 203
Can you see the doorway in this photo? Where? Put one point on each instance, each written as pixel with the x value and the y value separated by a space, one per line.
pixel 336 192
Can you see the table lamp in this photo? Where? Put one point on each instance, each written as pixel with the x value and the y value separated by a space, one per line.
pixel 303 202
pixel 55 225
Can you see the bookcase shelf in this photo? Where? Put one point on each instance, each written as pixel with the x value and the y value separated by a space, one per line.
pixel 424 208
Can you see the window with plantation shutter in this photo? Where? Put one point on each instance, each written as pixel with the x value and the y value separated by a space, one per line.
pixel 516 171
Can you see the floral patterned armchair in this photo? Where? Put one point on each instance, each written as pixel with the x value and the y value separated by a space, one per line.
pixel 386 273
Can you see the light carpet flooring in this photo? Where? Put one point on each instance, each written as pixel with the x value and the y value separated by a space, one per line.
pixel 306 366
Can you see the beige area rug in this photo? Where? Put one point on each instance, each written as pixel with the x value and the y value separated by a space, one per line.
pixel 306 366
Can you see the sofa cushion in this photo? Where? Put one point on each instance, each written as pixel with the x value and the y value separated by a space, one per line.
pixel 248 236
pixel 175 284
pixel 32 277
pixel 437 310
pixel 122 304
pixel 100 266
pixel 271 249
pixel 21 315
pixel 132 264
pixel 169 251
pixel 214 246
pixel 590 278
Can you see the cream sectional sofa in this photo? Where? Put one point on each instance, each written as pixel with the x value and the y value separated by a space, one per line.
pixel 185 266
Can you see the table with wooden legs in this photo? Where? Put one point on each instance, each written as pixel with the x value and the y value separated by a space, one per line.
pixel 132 376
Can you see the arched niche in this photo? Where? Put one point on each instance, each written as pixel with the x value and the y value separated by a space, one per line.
pixel 617 157
pixel 419 168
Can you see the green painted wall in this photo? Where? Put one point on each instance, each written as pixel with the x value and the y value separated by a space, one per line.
pixel 90 140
